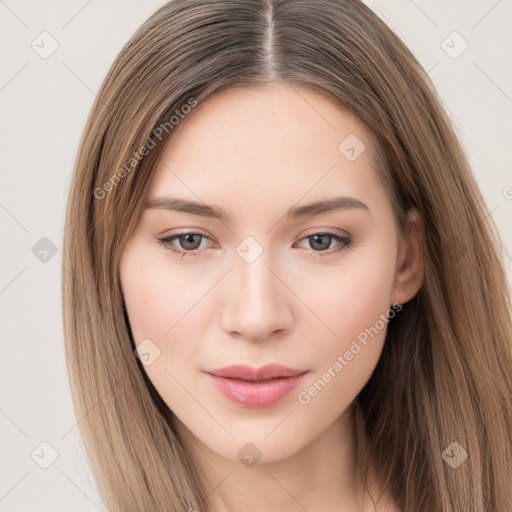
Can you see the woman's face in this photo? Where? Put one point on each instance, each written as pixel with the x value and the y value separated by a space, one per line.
pixel 270 281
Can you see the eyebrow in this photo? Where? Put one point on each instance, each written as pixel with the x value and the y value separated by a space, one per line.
pixel 308 210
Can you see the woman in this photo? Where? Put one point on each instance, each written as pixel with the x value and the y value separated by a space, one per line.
pixel 279 289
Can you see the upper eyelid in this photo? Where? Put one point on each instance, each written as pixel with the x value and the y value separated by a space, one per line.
pixel 328 231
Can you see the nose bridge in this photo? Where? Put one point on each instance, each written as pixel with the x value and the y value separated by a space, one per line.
pixel 257 303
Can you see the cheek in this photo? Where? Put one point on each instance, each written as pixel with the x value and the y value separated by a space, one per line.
pixel 354 306
pixel 365 296
pixel 149 302
pixel 158 297
pixel 165 304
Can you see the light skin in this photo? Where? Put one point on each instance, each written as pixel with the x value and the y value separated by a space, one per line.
pixel 256 154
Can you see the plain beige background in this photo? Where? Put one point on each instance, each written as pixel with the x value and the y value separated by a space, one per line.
pixel 44 101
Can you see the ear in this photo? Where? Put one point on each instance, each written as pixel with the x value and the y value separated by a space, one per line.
pixel 409 264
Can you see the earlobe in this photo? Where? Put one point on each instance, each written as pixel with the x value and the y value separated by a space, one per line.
pixel 409 266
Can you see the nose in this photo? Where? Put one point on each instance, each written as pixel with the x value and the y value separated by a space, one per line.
pixel 258 303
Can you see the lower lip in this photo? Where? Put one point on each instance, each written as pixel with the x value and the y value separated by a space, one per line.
pixel 255 394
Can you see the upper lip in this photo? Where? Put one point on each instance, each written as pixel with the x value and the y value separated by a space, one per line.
pixel 244 372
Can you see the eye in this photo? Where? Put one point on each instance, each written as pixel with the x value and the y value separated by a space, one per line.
pixel 322 240
pixel 190 243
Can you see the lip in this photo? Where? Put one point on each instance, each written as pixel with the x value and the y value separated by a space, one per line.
pixel 255 387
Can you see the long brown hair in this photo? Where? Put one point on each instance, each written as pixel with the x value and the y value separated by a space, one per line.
pixel 443 385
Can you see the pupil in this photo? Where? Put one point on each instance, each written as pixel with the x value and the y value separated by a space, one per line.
pixel 188 240
pixel 325 243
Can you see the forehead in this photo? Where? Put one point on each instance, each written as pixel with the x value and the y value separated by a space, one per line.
pixel 276 144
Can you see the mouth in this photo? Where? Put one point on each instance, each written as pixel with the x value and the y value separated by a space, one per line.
pixel 255 387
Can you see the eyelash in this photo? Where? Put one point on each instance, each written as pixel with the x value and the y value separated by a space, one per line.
pixel 344 240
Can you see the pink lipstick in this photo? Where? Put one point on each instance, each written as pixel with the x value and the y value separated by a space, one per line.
pixel 255 387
